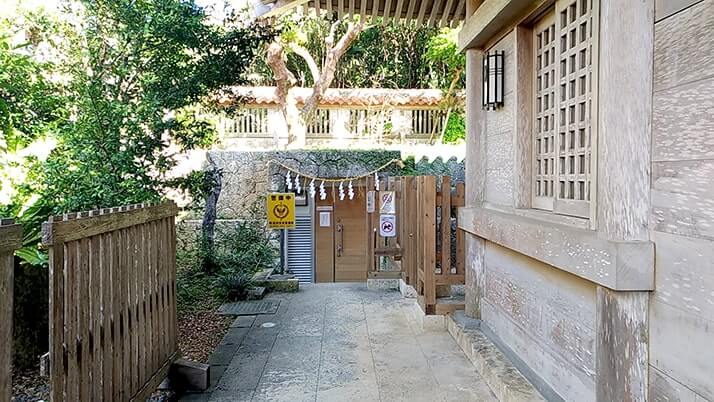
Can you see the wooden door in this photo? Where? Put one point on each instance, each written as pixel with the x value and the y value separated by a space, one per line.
pixel 341 237
pixel 351 238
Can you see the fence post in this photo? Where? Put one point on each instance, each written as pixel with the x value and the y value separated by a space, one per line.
pixel 10 240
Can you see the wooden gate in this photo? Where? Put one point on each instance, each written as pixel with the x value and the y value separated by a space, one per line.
pixel 422 253
pixel 112 302
pixel 10 240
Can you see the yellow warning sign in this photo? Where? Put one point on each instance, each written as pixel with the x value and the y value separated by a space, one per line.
pixel 281 210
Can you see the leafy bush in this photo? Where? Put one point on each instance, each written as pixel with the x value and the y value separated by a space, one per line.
pixel 455 129
pixel 238 253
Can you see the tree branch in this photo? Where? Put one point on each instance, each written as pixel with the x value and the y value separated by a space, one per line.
pixel 334 53
pixel 284 78
pixel 302 52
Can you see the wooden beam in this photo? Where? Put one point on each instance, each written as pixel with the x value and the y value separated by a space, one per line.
pixel 458 14
pixel 445 13
pixel 410 12
pixel 317 7
pixel 434 11
pixel 387 9
pixel 375 9
pixel 352 9
pixel 363 10
pixel 329 8
pixel 492 17
pixel 340 8
pixel 422 11
pixel 281 6
pixel 398 11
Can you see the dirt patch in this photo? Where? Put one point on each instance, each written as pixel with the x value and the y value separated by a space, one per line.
pixel 200 332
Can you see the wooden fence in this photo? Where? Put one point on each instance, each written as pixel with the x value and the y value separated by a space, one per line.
pixel 423 248
pixel 112 302
pixel 10 240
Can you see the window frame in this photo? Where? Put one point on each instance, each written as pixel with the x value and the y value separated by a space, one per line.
pixel 585 208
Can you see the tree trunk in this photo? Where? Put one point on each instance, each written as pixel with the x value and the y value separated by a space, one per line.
pixel 298 119
pixel 208 226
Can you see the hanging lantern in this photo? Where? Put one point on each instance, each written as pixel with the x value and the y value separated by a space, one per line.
pixel 312 188
pixel 350 191
pixel 323 193
pixel 289 181
pixel 342 192
pixel 298 187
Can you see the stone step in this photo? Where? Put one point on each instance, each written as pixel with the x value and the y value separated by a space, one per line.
pixel 504 379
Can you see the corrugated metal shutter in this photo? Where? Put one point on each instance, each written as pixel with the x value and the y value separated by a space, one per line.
pixel 300 249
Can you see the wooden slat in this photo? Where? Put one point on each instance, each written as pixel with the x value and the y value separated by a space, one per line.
pixel 459 14
pixel 101 343
pixel 434 12
pixel 422 12
pixel 428 217
pixel 387 10
pixel 107 316
pixel 83 322
pixel 446 224
pixel 10 240
pixel 446 13
pixel 460 235
pixel 77 228
pixel 375 9
pixel 410 12
pixel 340 8
pixel 352 9
pixel 398 10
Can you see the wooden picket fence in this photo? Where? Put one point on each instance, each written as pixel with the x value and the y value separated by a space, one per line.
pixel 423 246
pixel 112 302
pixel 10 240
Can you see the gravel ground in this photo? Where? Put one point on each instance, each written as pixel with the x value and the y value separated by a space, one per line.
pixel 199 334
pixel 28 386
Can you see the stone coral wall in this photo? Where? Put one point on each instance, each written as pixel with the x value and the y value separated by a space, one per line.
pixel 248 176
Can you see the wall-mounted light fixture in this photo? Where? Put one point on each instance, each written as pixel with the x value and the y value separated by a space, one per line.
pixel 492 97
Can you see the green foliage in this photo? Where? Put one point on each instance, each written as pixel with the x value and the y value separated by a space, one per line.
pixel 239 252
pixel 443 48
pixel 115 104
pixel 383 56
pixel 455 129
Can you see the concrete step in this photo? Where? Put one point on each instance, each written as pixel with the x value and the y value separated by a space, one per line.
pixel 504 379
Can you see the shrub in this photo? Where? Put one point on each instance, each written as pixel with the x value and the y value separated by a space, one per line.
pixel 239 252
pixel 455 128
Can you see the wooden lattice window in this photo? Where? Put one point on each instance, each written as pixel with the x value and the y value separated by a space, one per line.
pixel 564 45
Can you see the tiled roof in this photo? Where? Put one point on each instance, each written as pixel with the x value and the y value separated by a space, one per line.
pixel 361 97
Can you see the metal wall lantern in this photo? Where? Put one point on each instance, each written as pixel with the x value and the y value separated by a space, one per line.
pixel 492 97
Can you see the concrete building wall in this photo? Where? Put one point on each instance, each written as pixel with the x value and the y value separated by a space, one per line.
pixel 682 219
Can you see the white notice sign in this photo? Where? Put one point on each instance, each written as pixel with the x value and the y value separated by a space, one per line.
pixel 388 225
pixel 386 202
pixel 370 202
pixel 324 219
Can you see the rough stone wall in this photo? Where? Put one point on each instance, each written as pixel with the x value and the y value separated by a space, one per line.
pixel 682 220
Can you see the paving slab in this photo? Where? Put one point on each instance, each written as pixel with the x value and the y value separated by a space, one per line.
pixel 342 342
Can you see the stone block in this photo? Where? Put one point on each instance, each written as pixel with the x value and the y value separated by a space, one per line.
pixel 382 284
pixel 187 375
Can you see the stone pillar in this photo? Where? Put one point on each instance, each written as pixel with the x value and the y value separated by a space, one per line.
pixel 622 360
pixel 475 172
pixel 624 133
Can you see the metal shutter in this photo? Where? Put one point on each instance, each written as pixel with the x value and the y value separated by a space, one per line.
pixel 300 249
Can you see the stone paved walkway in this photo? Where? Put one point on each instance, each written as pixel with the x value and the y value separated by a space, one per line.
pixel 341 342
